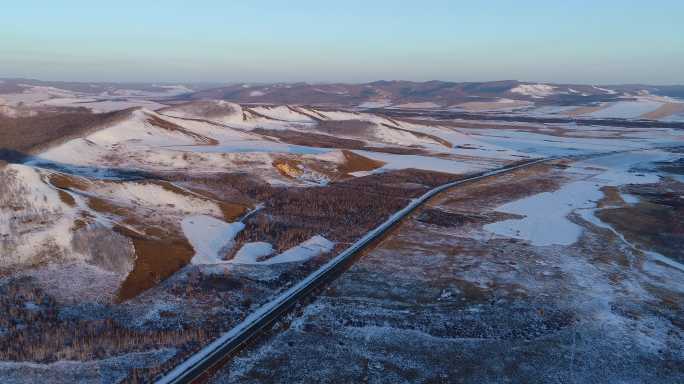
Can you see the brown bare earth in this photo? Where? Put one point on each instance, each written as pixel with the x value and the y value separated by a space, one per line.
pixel 656 222
pixel 68 182
pixel 156 260
pixel 357 163
pixel 159 252
pixel 664 110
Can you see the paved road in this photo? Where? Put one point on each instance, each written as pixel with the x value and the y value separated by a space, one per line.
pixel 232 341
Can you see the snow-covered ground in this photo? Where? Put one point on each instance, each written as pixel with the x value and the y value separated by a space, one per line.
pixel 252 146
pixel 189 143
pixel 538 143
pixel 209 237
pixel 34 218
pixel 536 91
pixel 250 252
pixel 427 163
pixel 545 215
pixel 113 100
pixel 627 109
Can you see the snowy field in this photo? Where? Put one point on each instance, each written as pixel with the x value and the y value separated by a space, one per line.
pixel 545 216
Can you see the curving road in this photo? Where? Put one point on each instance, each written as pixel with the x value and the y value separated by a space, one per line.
pixel 233 340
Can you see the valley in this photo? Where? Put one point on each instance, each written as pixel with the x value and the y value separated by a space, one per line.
pixel 139 223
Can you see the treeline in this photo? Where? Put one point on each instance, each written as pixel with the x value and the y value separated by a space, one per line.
pixel 342 211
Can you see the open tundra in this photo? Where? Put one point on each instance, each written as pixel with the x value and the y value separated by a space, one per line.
pixel 139 223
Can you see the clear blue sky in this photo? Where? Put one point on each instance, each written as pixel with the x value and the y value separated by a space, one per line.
pixel 600 41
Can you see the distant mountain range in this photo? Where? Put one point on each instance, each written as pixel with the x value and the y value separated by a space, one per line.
pixel 429 94
pixel 407 94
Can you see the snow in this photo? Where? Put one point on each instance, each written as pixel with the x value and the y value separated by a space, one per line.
pixel 153 195
pixel 422 105
pixel 32 95
pixel 308 249
pixel 133 132
pixel 103 105
pixel 427 163
pixel 467 144
pixel 248 146
pixel 608 91
pixel 500 105
pixel 234 113
pixel 256 93
pixel 165 91
pixel 209 237
pixel 548 145
pixel 332 91
pixel 137 128
pixel 269 307
pixel 250 252
pixel 32 216
pixel 223 134
pixel 545 214
pixel 110 370
pixel 545 221
pixel 400 137
pixel 675 118
pixel 375 104
pixel 549 110
pixel 75 152
pixel 536 91
pixel 105 102
pixel 627 109
pixel 284 113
